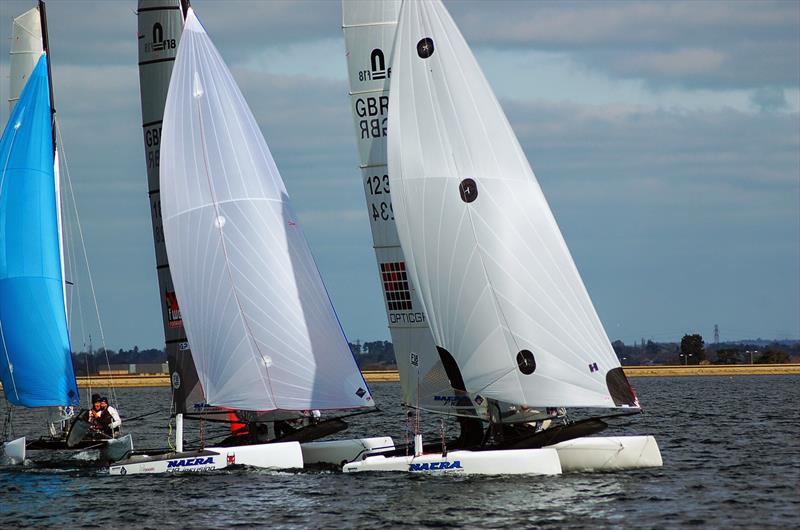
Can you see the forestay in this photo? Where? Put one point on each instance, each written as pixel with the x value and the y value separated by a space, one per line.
pixel 369 29
pixel 498 284
pixel 35 354
pixel 263 331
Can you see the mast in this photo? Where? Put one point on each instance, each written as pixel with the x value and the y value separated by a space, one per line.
pixel 46 47
pixel 369 29
pixel 160 26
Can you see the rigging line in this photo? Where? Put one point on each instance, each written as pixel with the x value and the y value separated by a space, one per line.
pixel 225 251
pixel 86 260
pixel 2 181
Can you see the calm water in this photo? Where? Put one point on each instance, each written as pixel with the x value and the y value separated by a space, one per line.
pixel 731 449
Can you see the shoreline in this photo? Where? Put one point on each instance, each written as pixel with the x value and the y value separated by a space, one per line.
pixel 390 376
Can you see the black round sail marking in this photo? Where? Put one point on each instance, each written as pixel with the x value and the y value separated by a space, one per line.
pixel 526 362
pixel 468 190
pixel 425 47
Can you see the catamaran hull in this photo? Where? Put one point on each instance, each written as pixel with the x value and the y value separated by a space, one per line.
pixel 266 456
pixel 110 451
pixel 14 451
pixel 502 462
pixel 339 452
pixel 116 449
pixel 608 453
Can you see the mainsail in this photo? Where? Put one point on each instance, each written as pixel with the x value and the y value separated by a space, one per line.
pixel 160 26
pixel 26 50
pixel 369 29
pixel 35 354
pixel 263 331
pixel 502 294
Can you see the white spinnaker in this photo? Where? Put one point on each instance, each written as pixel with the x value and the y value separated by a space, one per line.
pixel 26 49
pixel 494 274
pixel 264 334
pixel 369 29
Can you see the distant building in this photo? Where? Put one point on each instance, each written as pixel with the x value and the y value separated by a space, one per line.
pixel 138 368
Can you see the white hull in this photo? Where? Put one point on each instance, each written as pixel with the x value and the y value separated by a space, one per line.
pixel 504 462
pixel 339 452
pixel 267 456
pixel 608 453
pixel 14 452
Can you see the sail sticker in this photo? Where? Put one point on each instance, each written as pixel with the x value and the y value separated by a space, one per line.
pixel 159 43
pixel 176 380
pixel 468 190
pixel 174 319
pixel 526 362
pixel 374 112
pixel 425 48
pixel 378 64
pixel 360 392
pixel 395 286
pixel 593 367
pixel 413 358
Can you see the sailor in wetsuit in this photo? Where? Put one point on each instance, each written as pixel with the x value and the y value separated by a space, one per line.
pixel 111 416
pixel 99 419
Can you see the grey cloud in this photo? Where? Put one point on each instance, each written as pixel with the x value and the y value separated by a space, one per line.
pixel 108 29
pixel 672 216
pixel 698 44
pixel 659 207
pixel 769 99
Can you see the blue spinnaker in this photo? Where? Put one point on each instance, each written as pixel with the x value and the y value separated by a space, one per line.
pixel 35 361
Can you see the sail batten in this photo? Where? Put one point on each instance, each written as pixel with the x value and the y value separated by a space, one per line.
pixel 264 334
pixel 520 325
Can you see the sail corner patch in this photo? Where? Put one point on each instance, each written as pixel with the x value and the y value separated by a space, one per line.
pixel 526 362
pixel 425 48
pixel 620 389
pixel 468 190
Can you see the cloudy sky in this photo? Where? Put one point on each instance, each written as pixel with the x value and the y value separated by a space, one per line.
pixel 666 136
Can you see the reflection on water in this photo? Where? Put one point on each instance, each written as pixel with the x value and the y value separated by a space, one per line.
pixel 730 451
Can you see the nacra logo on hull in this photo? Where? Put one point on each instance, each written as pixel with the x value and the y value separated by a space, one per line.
pixel 435 466
pixel 176 465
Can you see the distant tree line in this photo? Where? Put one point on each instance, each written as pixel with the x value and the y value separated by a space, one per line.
pixel 376 355
pixel 692 349
pixel 379 355
pixel 86 363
